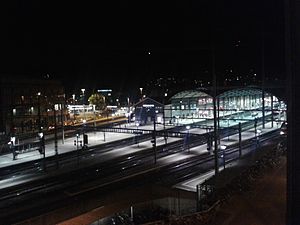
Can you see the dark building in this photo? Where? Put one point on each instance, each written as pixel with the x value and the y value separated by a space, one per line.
pixel 146 110
pixel 27 105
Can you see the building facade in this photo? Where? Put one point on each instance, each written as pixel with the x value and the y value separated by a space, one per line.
pixel 28 105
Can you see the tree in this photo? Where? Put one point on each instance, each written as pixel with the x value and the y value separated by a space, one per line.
pixel 98 100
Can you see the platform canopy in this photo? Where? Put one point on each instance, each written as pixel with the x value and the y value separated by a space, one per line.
pixel 247 91
pixel 190 94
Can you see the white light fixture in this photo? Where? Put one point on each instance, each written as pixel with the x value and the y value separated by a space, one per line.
pixel 223 147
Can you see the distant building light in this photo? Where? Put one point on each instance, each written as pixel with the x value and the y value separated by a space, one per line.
pixel 111 107
pixel 148 105
pixel 104 90
pixel 13 140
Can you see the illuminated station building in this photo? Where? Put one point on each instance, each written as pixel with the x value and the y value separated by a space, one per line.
pixel 243 104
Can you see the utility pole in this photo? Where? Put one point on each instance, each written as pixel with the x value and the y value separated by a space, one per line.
pixel 62 122
pixel 154 138
pixel 55 131
pixel 263 75
pixel 164 117
pixel 240 139
pixel 39 112
pixel 213 64
pixel 215 108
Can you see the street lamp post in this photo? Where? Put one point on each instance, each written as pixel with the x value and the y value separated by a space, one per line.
pixel 39 112
pixel 255 127
pixel 94 110
pixel 83 90
pixel 223 148
pixel 188 137
pixel 154 138
pixel 240 139
pixel 141 90
pixel 62 122
pixel 136 137
pixel 228 129
pixel 55 131
pixel 164 117
pixel 42 147
pixel 74 106
pixel 128 110
pixel 257 137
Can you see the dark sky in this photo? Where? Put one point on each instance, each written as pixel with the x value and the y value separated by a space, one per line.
pixel 87 44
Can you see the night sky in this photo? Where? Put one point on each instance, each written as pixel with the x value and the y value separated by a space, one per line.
pixel 90 45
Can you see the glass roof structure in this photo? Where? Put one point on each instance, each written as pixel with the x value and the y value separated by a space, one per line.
pixel 189 94
pixel 248 91
pixel 236 105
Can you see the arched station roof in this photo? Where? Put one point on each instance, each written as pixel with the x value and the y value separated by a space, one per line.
pixel 242 92
pixel 189 94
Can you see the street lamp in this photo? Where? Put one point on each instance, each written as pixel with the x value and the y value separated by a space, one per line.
pixel 128 111
pixel 188 127
pixel 39 111
pixel 83 90
pixel 164 117
pixel 94 110
pixel 136 137
pixel 42 147
pixel 257 137
pixel 223 148
pixel 141 89
pixel 73 95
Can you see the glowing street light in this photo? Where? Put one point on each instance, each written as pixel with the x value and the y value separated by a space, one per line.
pixel 223 148
pixel 137 127
pixel 141 90
pixel 188 127
pixel 83 90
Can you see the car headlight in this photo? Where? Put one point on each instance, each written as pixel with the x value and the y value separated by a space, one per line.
pixel 281 132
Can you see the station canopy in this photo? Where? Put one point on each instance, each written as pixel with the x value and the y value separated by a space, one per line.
pixel 248 91
pixel 189 94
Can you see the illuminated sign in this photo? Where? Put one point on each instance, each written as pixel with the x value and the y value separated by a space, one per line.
pixel 105 90
pixel 148 105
